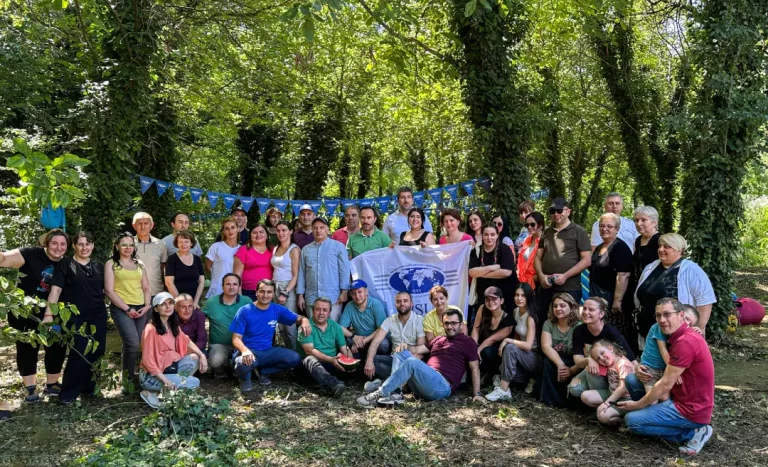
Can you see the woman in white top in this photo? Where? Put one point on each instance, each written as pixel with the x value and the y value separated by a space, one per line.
pixel 285 261
pixel 221 256
pixel 520 358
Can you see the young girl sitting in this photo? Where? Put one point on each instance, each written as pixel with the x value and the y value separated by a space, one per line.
pixel 615 366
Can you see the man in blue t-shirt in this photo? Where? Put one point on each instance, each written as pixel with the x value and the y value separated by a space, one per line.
pixel 253 329
pixel 361 318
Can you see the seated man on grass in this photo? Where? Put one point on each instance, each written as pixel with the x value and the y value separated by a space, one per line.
pixel 320 350
pixel 440 376
pixel 361 318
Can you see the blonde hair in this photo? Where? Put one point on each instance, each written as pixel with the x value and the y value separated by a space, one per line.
pixel 674 241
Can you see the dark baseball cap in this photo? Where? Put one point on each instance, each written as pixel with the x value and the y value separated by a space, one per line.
pixel 319 219
pixel 559 203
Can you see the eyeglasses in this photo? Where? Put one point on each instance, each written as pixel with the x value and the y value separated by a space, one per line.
pixel 665 315
pixel 451 323
pixel 607 226
pixel 553 210
pixel 127 245
pixel 532 225
pixel 499 224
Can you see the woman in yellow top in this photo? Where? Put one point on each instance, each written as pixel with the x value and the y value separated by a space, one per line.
pixel 127 286
pixel 433 321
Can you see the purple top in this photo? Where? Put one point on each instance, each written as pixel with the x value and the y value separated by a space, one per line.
pixel 195 329
pixel 302 239
pixel 450 357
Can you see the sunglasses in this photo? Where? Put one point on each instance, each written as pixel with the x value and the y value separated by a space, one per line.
pixel 553 210
pixel 499 224
pixel 127 245
pixel 532 225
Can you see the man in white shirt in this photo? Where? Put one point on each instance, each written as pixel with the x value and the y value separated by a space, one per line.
pixel 397 222
pixel 615 203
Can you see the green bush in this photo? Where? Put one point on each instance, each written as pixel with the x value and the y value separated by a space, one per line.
pixel 753 251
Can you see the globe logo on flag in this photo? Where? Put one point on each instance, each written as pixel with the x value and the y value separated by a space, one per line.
pixel 416 280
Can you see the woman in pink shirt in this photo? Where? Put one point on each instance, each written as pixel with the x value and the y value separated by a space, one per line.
pixel 450 219
pixel 253 261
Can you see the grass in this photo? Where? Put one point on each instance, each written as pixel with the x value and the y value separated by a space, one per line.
pixel 292 425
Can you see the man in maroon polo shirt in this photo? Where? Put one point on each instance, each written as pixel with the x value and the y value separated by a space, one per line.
pixel 686 415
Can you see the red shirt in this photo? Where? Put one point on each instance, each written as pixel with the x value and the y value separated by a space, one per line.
pixel 341 235
pixel 695 397
pixel 450 357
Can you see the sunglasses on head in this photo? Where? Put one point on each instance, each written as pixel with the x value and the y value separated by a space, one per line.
pixel 553 210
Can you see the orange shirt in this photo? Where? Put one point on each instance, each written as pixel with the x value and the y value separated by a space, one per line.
pixel 159 352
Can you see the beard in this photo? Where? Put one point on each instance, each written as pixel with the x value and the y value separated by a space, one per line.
pixel 403 312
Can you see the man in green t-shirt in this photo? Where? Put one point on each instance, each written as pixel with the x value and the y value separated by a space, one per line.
pixel 368 237
pixel 321 349
pixel 220 310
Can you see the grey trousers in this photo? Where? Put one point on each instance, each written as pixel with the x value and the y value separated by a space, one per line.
pixel 518 365
pixel 130 331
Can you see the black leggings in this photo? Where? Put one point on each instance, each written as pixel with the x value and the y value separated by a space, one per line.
pixel 26 358
pixel 79 371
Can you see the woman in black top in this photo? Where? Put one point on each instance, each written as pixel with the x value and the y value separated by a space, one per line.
pixel 184 270
pixel 609 272
pixel 79 281
pixel 417 236
pixel 492 325
pixel 37 264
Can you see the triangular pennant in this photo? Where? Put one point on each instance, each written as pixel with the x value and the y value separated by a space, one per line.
pixel 281 204
pixel 296 205
pixel 436 194
pixel 366 202
pixel 246 203
pixel 162 187
pixel 178 190
pixel 146 182
pixel 195 193
pixel 348 202
pixel 213 198
pixel 418 198
pixel 315 205
pixel 229 201
pixel 263 204
pixel 485 182
pixel 331 206
pixel 453 191
pixel 382 203
pixel 427 212
pixel 469 187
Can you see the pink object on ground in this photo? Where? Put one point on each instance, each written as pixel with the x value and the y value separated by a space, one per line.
pixel 749 311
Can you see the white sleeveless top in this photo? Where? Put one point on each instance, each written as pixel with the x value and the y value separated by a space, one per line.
pixel 521 324
pixel 282 264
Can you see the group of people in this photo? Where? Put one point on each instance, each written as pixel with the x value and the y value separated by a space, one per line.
pixel 281 298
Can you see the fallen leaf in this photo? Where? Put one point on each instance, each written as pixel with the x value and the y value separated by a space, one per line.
pixel 720 438
pixel 577 448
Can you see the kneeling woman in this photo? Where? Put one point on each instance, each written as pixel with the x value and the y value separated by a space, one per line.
pixel 169 358
pixel 520 357
pixel 557 345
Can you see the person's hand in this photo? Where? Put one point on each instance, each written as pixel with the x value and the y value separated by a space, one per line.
pixel 400 348
pixel 563 373
pixel 306 328
pixel 392 245
pixel 603 407
pixel 423 244
pixel 502 345
pixel 195 305
pixel 143 310
pixel 480 399
pixel 133 313
pixel 369 369
pixel 472 243
pixel 169 385
pixel 335 362
pixel 593 367
pixel 628 405
pixel 616 306
pixel 247 357
pixel 281 299
pixel 47 318
pixel 544 281
pixel 359 342
pixel 300 302
pixel 203 364
pixel 642 373
pixel 560 279
pixel 342 297
pixel 698 329
pixel 679 381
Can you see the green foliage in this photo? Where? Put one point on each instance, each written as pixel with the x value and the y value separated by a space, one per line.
pixel 753 245
pixel 189 429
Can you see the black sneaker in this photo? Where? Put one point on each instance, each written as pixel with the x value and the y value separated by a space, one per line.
pixel 338 390
pixel 53 390
pixel 33 398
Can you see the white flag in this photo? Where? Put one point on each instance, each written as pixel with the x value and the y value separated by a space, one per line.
pixel 415 270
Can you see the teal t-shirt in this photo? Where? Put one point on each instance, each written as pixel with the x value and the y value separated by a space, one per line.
pixel 220 316
pixel 328 342
pixel 651 355
pixel 364 322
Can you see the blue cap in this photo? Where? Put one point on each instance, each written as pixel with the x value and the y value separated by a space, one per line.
pixel 356 284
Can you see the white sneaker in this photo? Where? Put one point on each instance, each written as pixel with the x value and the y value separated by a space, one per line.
pixel 151 398
pixel 369 400
pixel 371 386
pixel 391 400
pixel 529 388
pixel 700 438
pixel 499 394
pixel 496 381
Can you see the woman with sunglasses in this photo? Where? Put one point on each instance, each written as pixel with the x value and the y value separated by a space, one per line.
pixel 526 272
pixel 499 222
pixel 79 281
pixel 127 286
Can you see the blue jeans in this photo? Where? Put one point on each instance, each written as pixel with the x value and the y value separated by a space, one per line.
pixel 586 381
pixel 635 387
pixel 267 362
pixel 422 379
pixel 183 379
pixel 661 420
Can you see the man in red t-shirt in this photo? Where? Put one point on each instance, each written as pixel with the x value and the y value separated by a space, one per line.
pixel 686 415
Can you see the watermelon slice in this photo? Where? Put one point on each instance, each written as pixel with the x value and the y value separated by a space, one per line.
pixel 349 364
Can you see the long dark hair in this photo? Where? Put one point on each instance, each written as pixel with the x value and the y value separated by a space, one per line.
pixel 249 243
pixel 116 250
pixel 173 323
pixel 485 324
pixel 482 222
pixel 530 301
pixel 490 225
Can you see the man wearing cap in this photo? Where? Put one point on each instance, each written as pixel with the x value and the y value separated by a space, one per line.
pixel 369 237
pixel 361 318
pixel 253 330
pixel 397 222
pixel 151 251
pixel 305 235
pixel 352 224
pixel 180 223
pixel 241 219
pixel 221 310
pixel 615 203
pixel 323 270
pixel 564 252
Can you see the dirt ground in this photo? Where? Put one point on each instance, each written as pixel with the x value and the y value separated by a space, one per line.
pixel 291 425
